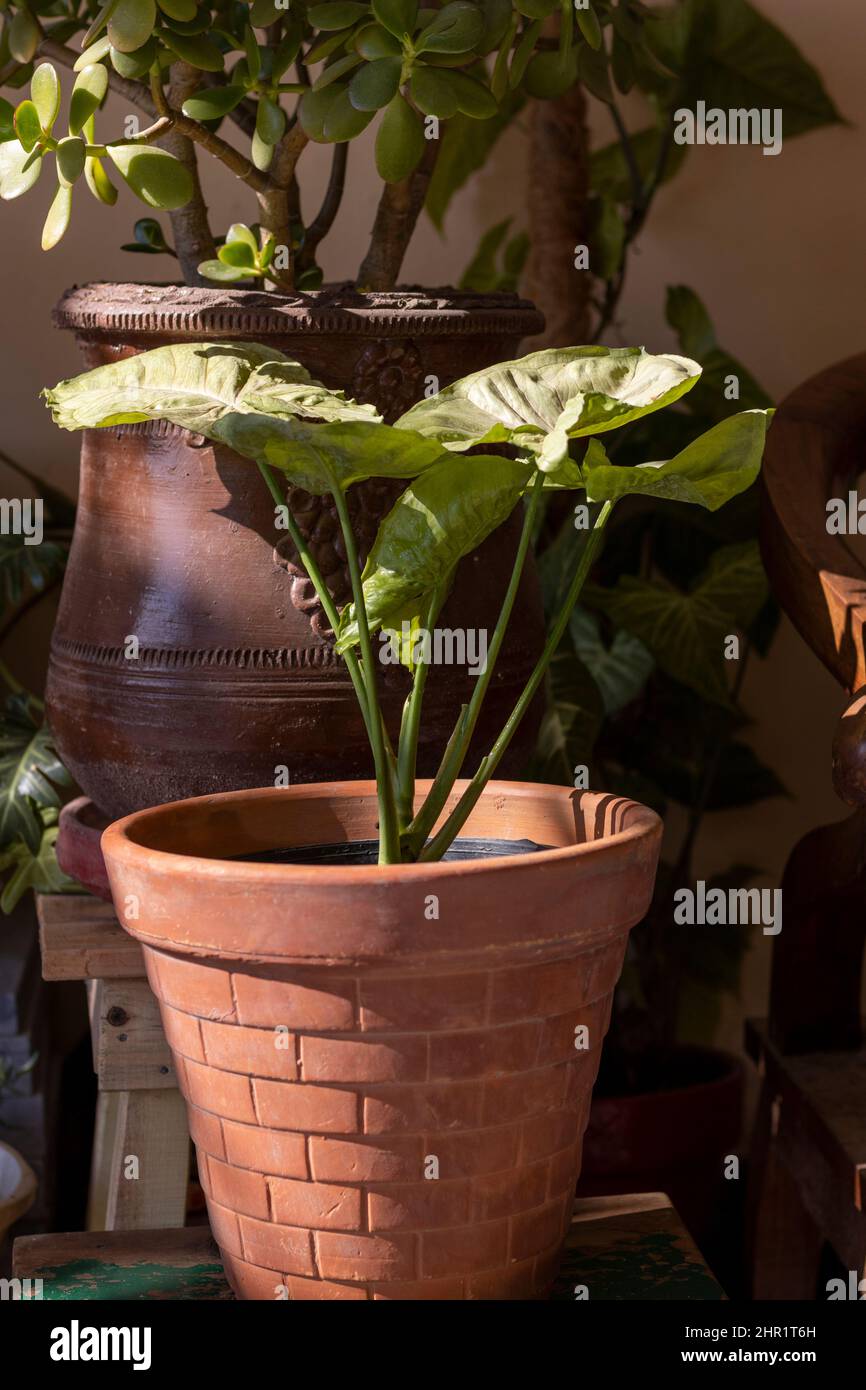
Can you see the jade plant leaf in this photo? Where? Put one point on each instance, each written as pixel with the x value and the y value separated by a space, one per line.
pixel 154 175
pixel 194 385
pixel 323 457
pixel 708 472
pixel 575 391
pixel 90 87
pixel 19 169
pixel 399 17
pixel 446 513
pixel 131 24
pixel 457 28
pixel 45 94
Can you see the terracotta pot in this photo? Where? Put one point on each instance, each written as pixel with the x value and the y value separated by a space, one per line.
pixel 17 1188
pixel 175 545
pixel 343 1034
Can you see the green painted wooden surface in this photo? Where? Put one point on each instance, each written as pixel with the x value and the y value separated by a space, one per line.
pixel 98 1279
pixel 629 1254
pixel 650 1266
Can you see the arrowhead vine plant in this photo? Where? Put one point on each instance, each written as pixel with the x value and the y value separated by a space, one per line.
pixel 547 414
pixel 280 74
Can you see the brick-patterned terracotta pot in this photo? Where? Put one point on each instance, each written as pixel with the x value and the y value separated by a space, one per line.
pixel 175 545
pixel 388 1070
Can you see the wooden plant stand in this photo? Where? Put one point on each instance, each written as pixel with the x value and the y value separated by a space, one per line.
pixel 141 1125
pixel 622 1248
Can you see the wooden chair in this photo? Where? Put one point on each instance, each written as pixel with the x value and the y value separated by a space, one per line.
pixel 807 1200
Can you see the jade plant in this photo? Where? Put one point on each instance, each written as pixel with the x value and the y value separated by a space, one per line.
pixel 252 84
pixel 546 414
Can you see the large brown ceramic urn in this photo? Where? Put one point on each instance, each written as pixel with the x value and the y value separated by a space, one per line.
pixel 189 654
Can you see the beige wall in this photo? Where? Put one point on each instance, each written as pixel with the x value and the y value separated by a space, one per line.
pixel 774 246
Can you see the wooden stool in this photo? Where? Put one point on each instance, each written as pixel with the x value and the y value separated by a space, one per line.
pixel 141 1142
pixel 807 1191
pixel 624 1248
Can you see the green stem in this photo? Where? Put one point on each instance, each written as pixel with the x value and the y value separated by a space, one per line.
pixel 458 817
pixel 410 724
pixel 321 588
pixel 389 838
pixel 455 754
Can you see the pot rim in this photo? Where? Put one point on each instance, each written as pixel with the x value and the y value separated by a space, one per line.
pixel 188 311
pixel 119 839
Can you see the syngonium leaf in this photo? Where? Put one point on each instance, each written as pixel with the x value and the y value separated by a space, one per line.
pixel 686 631
pixel 565 392
pixel 31 774
pixel 445 514
pixel 194 385
pixel 621 670
pixel 23 565
pixel 34 869
pixel 710 471
pixel 323 457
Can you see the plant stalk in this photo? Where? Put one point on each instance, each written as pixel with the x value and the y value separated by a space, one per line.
pixel 410 724
pixel 321 588
pixel 458 817
pixel 455 754
pixel 389 838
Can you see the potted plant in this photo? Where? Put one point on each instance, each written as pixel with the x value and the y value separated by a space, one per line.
pixel 251 88
pixel 388 1064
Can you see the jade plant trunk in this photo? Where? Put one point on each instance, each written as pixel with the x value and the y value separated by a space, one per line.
pixel 229 677
pixel 387 1070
